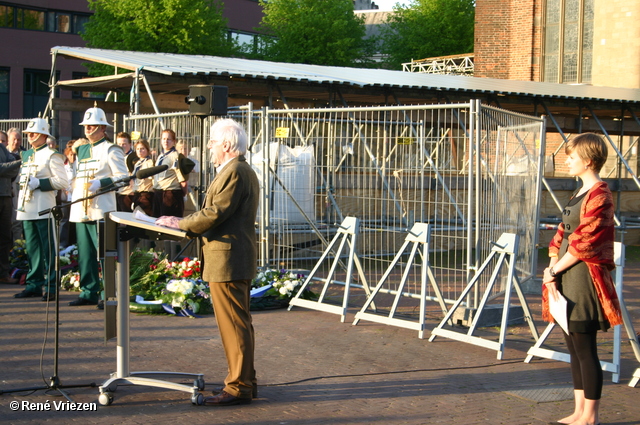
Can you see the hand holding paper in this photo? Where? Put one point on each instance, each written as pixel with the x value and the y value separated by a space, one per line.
pixel 558 309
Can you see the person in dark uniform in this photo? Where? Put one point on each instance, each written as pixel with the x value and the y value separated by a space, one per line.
pixel 580 269
pixel 9 169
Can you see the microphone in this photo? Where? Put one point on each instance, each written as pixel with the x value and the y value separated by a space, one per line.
pixel 151 171
pixel 142 174
pixel 118 182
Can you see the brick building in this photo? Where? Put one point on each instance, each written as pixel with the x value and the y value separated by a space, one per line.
pixel 593 42
pixel 508 39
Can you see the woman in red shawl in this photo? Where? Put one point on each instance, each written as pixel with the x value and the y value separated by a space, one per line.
pixel 580 269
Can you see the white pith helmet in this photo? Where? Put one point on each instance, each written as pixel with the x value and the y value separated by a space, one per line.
pixel 95 116
pixel 38 125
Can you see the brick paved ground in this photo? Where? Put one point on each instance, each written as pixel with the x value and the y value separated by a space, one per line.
pixel 312 368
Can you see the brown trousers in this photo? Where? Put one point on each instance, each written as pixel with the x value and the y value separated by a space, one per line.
pixel 231 302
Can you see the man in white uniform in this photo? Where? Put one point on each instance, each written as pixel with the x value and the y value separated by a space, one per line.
pixel 41 176
pixel 100 163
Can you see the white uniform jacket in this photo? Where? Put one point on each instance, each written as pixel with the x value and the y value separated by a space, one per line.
pixel 102 161
pixel 171 178
pixel 47 165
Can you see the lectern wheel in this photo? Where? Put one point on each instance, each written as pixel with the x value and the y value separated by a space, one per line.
pixel 197 399
pixel 105 399
pixel 199 384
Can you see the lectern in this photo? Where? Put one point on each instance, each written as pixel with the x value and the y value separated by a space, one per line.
pixel 120 229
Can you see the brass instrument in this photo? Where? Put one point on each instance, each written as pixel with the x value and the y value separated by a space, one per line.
pixel 25 190
pixel 88 174
pixel 85 193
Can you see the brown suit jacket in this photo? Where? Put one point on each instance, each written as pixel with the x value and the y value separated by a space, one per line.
pixel 226 224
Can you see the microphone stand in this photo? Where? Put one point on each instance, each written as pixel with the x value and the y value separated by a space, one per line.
pixel 54 381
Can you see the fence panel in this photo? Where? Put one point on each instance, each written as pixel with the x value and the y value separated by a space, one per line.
pixel 471 171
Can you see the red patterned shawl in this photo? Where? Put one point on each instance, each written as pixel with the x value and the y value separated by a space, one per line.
pixel 592 242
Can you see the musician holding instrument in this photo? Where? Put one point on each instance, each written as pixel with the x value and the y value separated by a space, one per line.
pixel 41 176
pixel 170 187
pixel 99 164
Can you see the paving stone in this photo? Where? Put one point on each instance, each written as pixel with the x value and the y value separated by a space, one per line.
pixel 312 369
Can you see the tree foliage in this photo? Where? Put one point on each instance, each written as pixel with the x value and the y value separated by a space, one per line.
pixel 428 28
pixel 168 26
pixel 314 32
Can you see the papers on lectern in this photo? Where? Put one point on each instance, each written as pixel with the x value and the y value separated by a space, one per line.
pixel 558 309
pixel 138 214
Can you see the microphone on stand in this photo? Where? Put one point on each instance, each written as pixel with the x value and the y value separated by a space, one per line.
pixel 151 171
pixel 142 174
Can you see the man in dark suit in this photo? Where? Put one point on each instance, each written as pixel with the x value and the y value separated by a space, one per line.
pixel 226 224
pixel 9 168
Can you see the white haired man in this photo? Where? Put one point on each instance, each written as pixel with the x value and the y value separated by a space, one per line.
pixel 226 224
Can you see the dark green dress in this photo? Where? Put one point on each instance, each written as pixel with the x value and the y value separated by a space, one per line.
pixel 583 308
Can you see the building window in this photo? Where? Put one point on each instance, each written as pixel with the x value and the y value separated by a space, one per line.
pixel 42 20
pixel 36 92
pixel 6 16
pixel 4 93
pixel 79 21
pixel 31 20
pixel 59 22
pixel 568 41
pixel 246 41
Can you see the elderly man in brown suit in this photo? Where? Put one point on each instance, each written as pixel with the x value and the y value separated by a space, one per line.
pixel 226 224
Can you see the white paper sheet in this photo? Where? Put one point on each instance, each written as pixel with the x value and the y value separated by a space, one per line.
pixel 138 214
pixel 558 310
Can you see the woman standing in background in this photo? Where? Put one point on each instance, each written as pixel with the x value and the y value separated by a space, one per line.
pixel 580 269
pixel 143 188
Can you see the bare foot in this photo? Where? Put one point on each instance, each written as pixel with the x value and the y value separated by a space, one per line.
pixel 569 419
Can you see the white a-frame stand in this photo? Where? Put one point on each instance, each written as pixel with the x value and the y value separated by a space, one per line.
pixel 506 245
pixel 614 365
pixel 348 228
pixel 420 234
pixel 120 228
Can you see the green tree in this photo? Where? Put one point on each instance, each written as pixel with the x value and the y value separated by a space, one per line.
pixel 168 26
pixel 314 32
pixel 428 28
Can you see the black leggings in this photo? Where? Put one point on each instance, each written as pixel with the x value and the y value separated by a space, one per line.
pixel 585 365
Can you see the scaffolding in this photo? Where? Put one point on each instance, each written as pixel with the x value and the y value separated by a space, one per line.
pixel 472 172
pixel 449 65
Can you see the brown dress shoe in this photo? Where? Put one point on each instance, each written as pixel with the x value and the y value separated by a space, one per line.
pixel 254 392
pixel 225 399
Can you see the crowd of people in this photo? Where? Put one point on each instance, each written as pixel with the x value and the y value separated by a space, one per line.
pixel 40 178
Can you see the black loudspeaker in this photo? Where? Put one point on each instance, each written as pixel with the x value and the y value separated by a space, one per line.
pixel 207 100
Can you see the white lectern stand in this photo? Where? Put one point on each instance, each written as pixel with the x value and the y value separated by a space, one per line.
pixel 120 228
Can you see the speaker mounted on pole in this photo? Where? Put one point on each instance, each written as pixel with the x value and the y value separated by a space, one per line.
pixel 205 100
